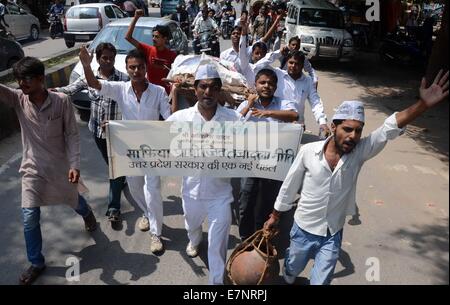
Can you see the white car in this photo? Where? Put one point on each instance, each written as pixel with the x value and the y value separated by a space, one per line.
pixel 320 26
pixel 22 24
pixel 83 22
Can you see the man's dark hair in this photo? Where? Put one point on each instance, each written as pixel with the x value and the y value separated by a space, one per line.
pixel 297 54
pixel 294 38
pixel 260 45
pixel 163 30
pixel 104 46
pixel 217 80
pixel 135 53
pixel 267 72
pixel 28 66
pixel 237 28
pixel 337 122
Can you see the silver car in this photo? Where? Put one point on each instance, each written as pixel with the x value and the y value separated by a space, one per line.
pixel 84 21
pixel 22 24
pixel 114 33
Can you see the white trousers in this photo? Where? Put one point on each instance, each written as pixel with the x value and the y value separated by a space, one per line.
pixel 146 191
pixel 219 222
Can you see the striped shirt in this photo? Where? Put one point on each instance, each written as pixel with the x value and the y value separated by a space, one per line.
pixel 102 109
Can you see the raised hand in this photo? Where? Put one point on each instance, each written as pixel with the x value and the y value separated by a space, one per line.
pixel 138 13
pixel 85 57
pixel 437 91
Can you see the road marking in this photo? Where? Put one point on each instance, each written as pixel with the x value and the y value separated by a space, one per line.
pixel 399 168
pixel 425 170
pixel 8 163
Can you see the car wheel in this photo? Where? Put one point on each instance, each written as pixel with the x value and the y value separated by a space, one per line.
pixel 69 43
pixel 34 32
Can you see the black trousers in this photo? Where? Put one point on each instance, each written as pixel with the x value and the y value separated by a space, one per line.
pixel 256 201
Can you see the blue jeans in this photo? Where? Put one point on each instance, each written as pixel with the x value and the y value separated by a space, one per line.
pixel 115 185
pixel 305 246
pixel 32 230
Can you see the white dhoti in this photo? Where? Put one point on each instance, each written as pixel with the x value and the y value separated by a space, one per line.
pixel 218 212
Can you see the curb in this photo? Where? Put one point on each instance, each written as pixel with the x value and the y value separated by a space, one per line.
pixel 6 75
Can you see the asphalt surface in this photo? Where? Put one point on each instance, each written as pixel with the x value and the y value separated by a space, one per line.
pixel 402 197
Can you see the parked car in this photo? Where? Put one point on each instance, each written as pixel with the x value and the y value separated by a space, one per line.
pixel 83 22
pixel 22 24
pixel 320 25
pixel 10 51
pixel 114 33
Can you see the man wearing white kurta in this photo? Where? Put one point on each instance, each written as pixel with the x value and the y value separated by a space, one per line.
pixel 326 173
pixel 138 100
pixel 207 196
pixel 295 86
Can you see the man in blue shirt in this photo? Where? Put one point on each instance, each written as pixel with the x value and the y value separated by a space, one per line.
pixel 57 8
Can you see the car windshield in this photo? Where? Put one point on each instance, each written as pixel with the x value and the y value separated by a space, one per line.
pixel 321 18
pixel 116 36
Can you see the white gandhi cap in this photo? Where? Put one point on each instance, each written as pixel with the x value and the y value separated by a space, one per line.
pixel 208 71
pixel 350 110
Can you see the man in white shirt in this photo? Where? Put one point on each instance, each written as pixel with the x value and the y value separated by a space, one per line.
pixel 232 54
pixel 202 25
pixel 327 173
pixel 138 100
pixel 207 196
pixel 257 195
pixel 294 45
pixel 250 63
pixel 294 85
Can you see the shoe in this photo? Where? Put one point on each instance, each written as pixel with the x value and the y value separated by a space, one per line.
pixel 90 223
pixel 114 219
pixel 156 244
pixel 191 250
pixel 114 216
pixel 290 279
pixel 30 275
pixel 143 224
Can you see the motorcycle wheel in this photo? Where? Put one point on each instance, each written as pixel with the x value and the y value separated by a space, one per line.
pixel 52 33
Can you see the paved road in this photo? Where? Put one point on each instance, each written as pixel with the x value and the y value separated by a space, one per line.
pixel 402 196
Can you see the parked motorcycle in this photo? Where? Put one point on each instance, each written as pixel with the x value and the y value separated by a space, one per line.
pixel 56 26
pixel 398 47
pixel 227 25
pixel 208 43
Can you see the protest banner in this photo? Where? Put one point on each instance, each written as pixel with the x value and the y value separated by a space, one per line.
pixel 216 149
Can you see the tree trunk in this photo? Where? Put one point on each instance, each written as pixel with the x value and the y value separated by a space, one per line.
pixel 439 54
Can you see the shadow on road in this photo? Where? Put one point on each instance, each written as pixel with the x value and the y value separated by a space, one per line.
pixel 430 242
pixel 390 88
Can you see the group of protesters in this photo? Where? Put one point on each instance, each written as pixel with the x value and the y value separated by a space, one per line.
pixel 51 147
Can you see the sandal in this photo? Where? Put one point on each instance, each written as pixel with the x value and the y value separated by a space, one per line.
pixel 30 275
